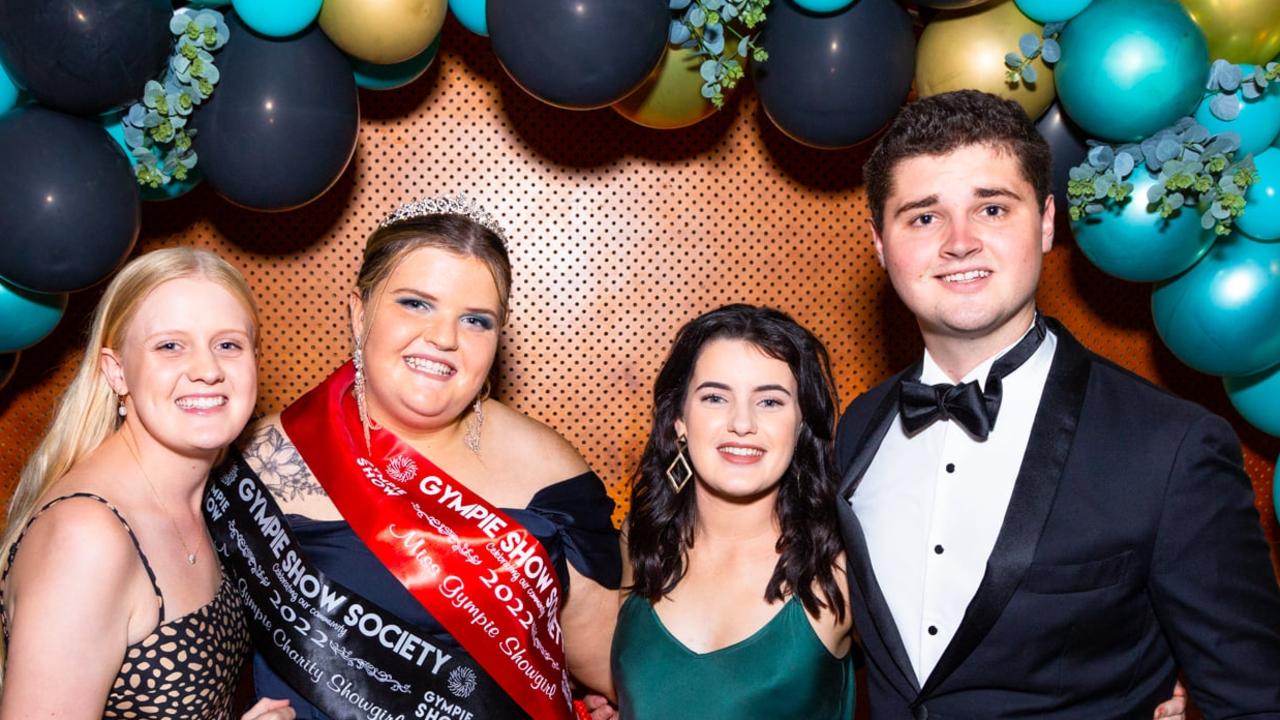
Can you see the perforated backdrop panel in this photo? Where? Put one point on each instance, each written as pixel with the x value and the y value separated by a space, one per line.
pixel 619 235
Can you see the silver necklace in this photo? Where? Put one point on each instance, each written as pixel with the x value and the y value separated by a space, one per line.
pixel 191 557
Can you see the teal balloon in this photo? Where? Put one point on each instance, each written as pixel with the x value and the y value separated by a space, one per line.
pixel 1258 123
pixel 174 188
pixel 1261 216
pixel 1222 317
pixel 386 77
pixel 823 6
pixel 8 91
pixel 277 18
pixel 1134 243
pixel 209 3
pixel 1047 11
pixel 1131 67
pixel 27 317
pixel 1257 398
pixel 471 14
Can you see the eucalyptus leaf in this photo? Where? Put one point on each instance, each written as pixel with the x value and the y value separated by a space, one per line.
pixel 1080 172
pixel 1028 44
pixel 1053 28
pixel 744 47
pixel 1101 185
pixel 1167 150
pixel 1229 78
pixel 696 16
pixel 1013 60
pixel 1176 200
pixel 679 32
pixel 708 70
pixel 1093 208
pixel 1051 52
pixel 1219 211
pixel 1197 134
pixel 1028 74
pixel 708 90
pixel 1101 157
pixel 679 4
pixel 1224 107
pixel 1155 192
pixel 1123 164
pixel 1251 90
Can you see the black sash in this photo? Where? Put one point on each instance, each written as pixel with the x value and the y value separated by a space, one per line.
pixel 344 654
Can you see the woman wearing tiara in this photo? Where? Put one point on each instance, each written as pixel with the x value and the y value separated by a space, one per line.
pixel 407 544
pixel 113 604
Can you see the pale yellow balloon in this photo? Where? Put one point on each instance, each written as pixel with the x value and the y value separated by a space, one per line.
pixel 1241 31
pixel 383 31
pixel 966 48
pixel 672 96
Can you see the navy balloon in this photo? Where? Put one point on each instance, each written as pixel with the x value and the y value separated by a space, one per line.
pixel 578 54
pixel 281 126
pixel 69 207
pixel 833 80
pixel 87 57
pixel 1067 146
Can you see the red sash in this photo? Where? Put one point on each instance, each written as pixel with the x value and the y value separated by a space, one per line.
pixel 484 577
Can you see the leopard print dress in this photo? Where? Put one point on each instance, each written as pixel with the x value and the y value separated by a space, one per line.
pixel 187 667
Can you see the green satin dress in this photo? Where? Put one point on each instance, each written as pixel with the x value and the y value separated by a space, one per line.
pixel 782 672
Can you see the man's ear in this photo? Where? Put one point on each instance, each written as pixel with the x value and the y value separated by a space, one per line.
pixel 1047 224
pixel 113 371
pixel 876 240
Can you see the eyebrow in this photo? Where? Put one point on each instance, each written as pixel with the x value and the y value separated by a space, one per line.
pixel 433 298
pixel 916 205
pixel 982 192
pixel 996 192
pixel 172 332
pixel 759 388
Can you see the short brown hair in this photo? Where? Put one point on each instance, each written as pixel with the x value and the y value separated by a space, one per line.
pixel 939 124
pixel 457 234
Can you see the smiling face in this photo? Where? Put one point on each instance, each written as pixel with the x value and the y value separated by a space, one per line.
pixel 186 367
pixel 430 338
pixel 963 239
pixel 742 417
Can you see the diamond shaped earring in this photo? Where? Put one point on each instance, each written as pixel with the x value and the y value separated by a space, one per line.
pixel 680 472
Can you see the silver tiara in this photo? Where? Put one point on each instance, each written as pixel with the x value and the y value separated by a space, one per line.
pixel 458 204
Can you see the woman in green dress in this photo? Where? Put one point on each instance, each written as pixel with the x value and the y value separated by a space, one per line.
pixel 735 605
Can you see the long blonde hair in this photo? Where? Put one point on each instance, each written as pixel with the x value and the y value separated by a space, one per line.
pixel 86 413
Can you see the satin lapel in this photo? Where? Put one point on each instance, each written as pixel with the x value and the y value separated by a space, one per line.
pixel 860 559
pixel 1052 434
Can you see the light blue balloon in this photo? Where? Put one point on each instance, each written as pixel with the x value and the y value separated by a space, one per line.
pixel 27 317
pixel 1222 317
pixel 386 77
pixel 823 6
pixel 1261 216
pixel 277 18
pixel 1047 11
pixel 8 91
pixel 1258 123
pixel 1257 398
pixel 471 13
pixel 174 188
pixel 1134 243
pixel 1131 67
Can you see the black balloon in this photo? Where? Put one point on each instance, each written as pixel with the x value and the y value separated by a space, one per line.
pixel 87 56
pixel 8 364
pixel 69 208
pixel 281 125
pixel 833 80
pixel 1067 143
pixel 578 54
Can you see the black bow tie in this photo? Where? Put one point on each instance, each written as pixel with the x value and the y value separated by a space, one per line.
pixel 974 408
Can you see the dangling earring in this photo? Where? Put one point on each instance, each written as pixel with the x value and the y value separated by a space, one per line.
pixel 472 438
pixel 680 472
pixel 358 360
pixel 121 410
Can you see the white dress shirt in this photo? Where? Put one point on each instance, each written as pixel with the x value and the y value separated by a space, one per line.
pixel 932 505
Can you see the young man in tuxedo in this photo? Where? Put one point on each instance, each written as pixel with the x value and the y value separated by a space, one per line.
pixel 1032 530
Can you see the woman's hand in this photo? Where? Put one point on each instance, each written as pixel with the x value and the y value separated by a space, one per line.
pixel 1175 708
pixel 600 708
pixel 268 709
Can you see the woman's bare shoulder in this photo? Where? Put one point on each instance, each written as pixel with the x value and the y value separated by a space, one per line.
pixel 271 454
pixel 524 442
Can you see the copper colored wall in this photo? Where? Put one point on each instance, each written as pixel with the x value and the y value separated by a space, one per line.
pixel 619 235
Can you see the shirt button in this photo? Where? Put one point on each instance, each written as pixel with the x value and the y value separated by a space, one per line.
pixel 937 549
pixel 933 630
pixel 951 467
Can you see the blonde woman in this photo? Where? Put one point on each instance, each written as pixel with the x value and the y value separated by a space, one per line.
pixel 114 604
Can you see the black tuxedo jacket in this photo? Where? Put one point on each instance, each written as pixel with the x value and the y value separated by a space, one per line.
pixel 1130 548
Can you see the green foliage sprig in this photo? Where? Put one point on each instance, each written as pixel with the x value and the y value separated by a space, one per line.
pixel 1225 79
pixel 1192 168
pixel 155 128
pixel 702 26
pixel 1031 47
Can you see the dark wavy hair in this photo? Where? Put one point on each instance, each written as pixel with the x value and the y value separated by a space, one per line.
pixel 938 124
pixel 660 528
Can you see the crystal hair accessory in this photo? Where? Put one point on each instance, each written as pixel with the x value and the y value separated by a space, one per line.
pixel 458 204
